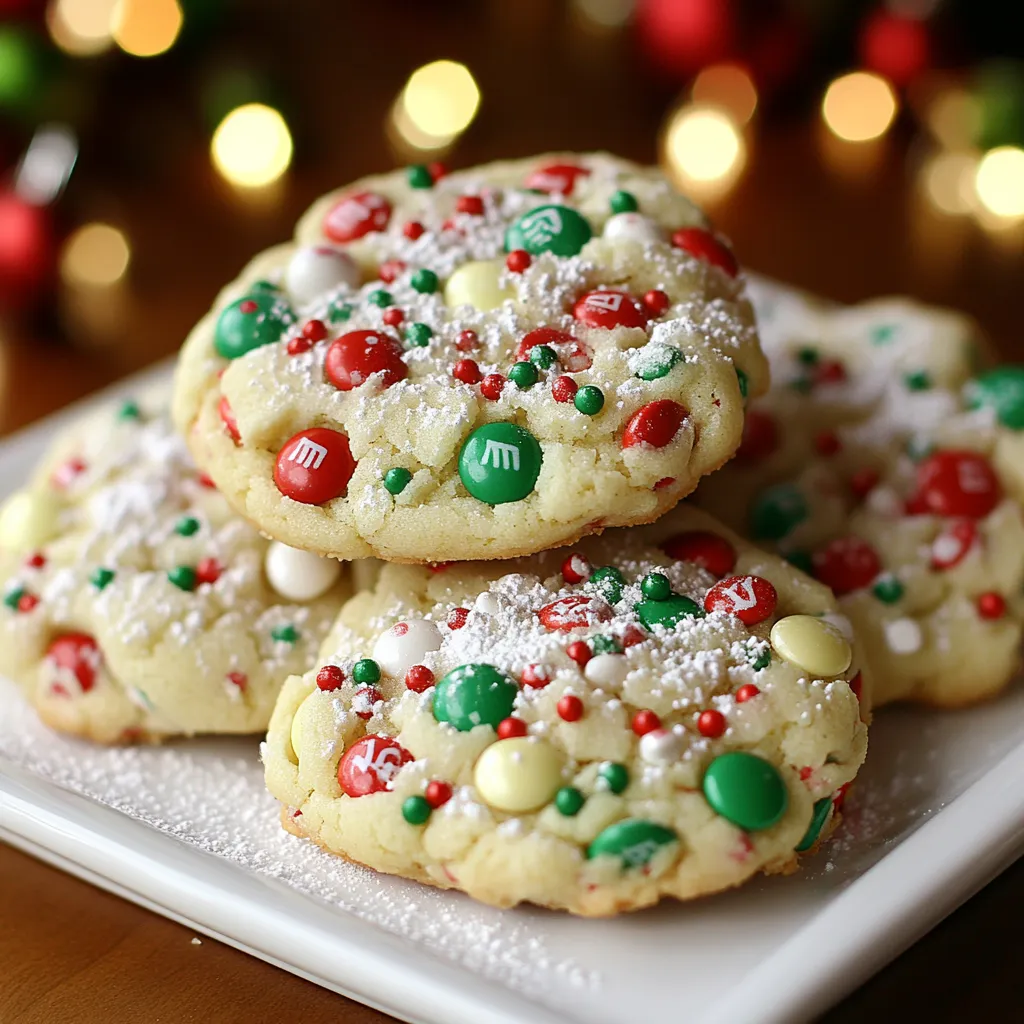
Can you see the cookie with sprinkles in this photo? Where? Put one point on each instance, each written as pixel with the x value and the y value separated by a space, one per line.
pixel 888 464
pixel 474 365
pixel 137 605
pixel 662 711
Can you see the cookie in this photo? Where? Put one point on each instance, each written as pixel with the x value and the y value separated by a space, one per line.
pixel 662 711
pixel 886 463
pixel 136 604
pixel 477 365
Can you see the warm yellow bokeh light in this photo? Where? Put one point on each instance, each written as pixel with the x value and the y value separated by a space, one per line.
pixel 96 255
pixel 80 27
pixel 605 14
pixel 727 86
pixel 948 181
pixel 145 28
pixel 952 117
pixel 859 106
pixel 440 100
pixel 703 144
pixel 252 146
pixel 999 181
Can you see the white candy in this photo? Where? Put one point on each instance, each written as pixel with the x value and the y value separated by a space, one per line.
pixel 885 501
pixel 299 575
pixel 28 520
pixel 660 746
pixel 317 269
pixel 903 636
pixel 403 645
pixel 487 604
pixel 842 623
pixel 607 670
pixel 632 227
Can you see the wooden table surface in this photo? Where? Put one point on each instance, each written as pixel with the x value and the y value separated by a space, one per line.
pixel 74 954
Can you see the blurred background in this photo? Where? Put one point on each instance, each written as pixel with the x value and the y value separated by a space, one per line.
pixel 149 147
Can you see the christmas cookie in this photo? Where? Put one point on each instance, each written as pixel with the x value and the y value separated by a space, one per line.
pixel 136 604
pixel 474 365
pixel 664 711
pixel 885 463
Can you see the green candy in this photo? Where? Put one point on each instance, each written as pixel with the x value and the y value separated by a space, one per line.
pixel 633 841
pixel 523 375
pixel 101 577
pixel 338 311
pixel 186 526
pixel 473 695
pixel 183 577
pixel 887 589
pixel 623 202
pixel 746 790
pixel 129 411
pixel 13 596
pixel 608 582
pixel 743 381
pixel 882 334
pixel 284 634
pixel 419 176
pixel 589 400
pixel 416 810
pixel 605 645
pixel 499 463
pixel 366 670
pixel 1001 389
pixel 396 480
pixel 655 586
pixel 917 381
pixel 818 818
pixel 543 356
pixel 424 281
pixel 419 334
pixel 380 297
pixel 559 230
pixel 760 659
pixel 569 801
pixel 668 612
pixel 655 360
pixel 250 323
pixel 808 356
pixel 615 776
pixel 776 510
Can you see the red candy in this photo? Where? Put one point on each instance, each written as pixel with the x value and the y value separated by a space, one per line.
pixel 73 662
pixel 536 676
pixel 466 341
pixel 491 386
pixel 239 679
pixel 437 793
pixel 356 215
pixel 751 599
pixel 393 316
pixel 705 246
pixel 36 560
pixel 654 424
pixel 952 546
pixel 863 482
pixel 389 270
pixel 518 260
pixel 208 570
pixel 645 721
pixel 413 229
pixel 846 564
pixel 315 330
pixel 760 436
pixel 576 612
pixel 419 678
pixel 330 677
pixel 467 371
pixel 563 389
pixel 746 692
pixel 472 205
pixel 296 346
pixel 711 724
pixel 354 357
pixel 575 568
pixel 571 353
pixel 608 308
pixel 579 651
pixel 570 708
pixel 65 473
pixel 991 605
pixel 314 466
pixel 957 483
pixel 656 302
pixel 366 697
pixel 511 727
pixel 27 602
pixel 703 548
pixel 556 179
pixel 826 443
pixel 369 765
pixel 457 618
pixel 829 371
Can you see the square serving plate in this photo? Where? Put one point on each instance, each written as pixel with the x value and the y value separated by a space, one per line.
pixel 188 831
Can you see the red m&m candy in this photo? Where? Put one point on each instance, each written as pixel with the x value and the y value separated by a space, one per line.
pixel 369 765
pixel 751 599
pixel 608 308
pixel 703 548
pixel 760 436
pixel 575 568
pixel 227 417
pixel 957 483
pixel 702 244
pixel 556 179
pixel 314 466
pixel 72 664
pixel 951 546
pixel 354 357
pixel 654 424
pixel 572 354
pixel 356 215
pixel 846 564
pixel 575 612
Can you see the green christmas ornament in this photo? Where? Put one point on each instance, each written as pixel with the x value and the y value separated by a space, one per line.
pixel 615 776
pixel 186 526
pixel 366 670
pixel 887 589
pixel 818 818
pixel 416 810
pixel 569 801
pixel 183 577
pixel 543 356
pixel 473 695
pixel 419 176
pixel 1001 389
pixel 523 375
pixel 776 510
pixel 250 323
pixel 623 202
pixel 499 463
pixel 396 480
pixel 589 400
pixel 101 577
pixel 667 613
pixel 746 790
pixel 424 281
pixel 608 582
pixel 655 586
pixel 559 230
pixel 633 841
pixel 419 334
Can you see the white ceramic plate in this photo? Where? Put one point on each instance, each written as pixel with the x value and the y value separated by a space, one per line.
pixel 188 831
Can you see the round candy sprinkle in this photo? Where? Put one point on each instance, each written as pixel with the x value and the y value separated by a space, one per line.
pixel 356 215
pixel 72 664
pixel 412 230
pixel 363 701
pixel 393 317
pixel 492 385
pixel 655 586
pixel 381 297
pixel 416 810
pixel 471 205
pixel 991 605
pixel 634 842
pixel 826 443
pixel 556 179
pixel 523 375
pixel 615 776
pixel 645 721
pixel 543 356
pixel 705 246
pixel 397 479
pixel 569 801
pixel 369 765
pixel 575 568
pixel 819 815
pixel 186 526
pixel 846 564
pixel 656 302
pixel 570 708
pixel 654 361
pixel 744 383
pixel 518 775
pixel 563 389
pixel 751 599
pixel 250 323
pixel 746 692
pixel 366 670
pixel 500 462
pixel 557 229
pixel 419 334
pixel 917 381
pixel 760 659
pixel 579 652
pixel 316 269
pixel 209 569
pixel 314 466
pixel 573 612
pixel 510 728
pixel 589 400
pixel 536 676
pixel 518 260
pixel 467 341
pixel 419 678
pixel 477 284
pixel 473 695
pixel 812 644
pixel 457 618
pixel 574 357
pixel 608 582
pixel 654 424
pixel 183 577
pixel 957 483
pixel 661 746
pixel 26 602
pixel 330 677
pixel 388 272
pixel 863 482
pixel 609 308
pixel 101 577
pixel 746 790
pixel 357 356
pixel 607 670
pixel 888 589
pixel 437 793
pixel 1001 389
pixel 623 202
pixel 776 510
pixel 299 575
pixel 419 176
pixel 129 411
pixel 605 645
pixel 286 634
pixel 711 724
pixel 708 550
pixel 424 281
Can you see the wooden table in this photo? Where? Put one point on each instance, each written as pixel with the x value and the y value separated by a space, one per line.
pixel 72 953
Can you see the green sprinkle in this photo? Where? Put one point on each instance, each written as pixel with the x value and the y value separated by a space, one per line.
pixel 523 375
pixel 615 775
pixel 744 382
pixel 416 810
pixel 882 334
pixel 655 586
pixel 888 589
pixel 366 670
pixel 605 645
pixel 13 596
pixel 608 582
pixel 424 281
pixel 917 381
pixel 760 659
pixel 183 577
pixel 338 312
pixel 396 480
pixel 380 297
pixel 186 526
pixel 284 634
pixel 623 202
pixel 569 800
pixel 129 411
pixel 543 356
pixel 418 334
pixel 419 176
pixel 101 577
pixel 808 356
pixel 804 385
pixel 589 400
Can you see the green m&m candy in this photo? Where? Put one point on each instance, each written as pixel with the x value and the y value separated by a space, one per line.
pixel 633 841
pixel 1001 389
pixel 654 360
pixel 473 695
pixel 746 790
pixel 608 582
pixel 500 462
pixel 667 612
pixel 818 818
pixel 776 510
pixel 552 228
pixel 257 320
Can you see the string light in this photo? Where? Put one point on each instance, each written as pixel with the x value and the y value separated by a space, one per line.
pixel 96 255
pixel 947 179
pixel 252 146
pixel 146 28
pixel 999 182
pixel 728 86
pixel 859 106
pixel 440 100
pixel 704 149
pixel 81 27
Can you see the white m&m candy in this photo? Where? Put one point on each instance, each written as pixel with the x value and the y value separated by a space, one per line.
pixel 299 575
pixel 28 520
pixel 403 645
pixel 317 269
pixel 632 227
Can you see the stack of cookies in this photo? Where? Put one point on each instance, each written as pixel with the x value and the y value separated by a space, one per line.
pixel 417 508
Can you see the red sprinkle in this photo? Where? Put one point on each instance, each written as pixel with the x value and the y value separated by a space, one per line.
pixel 393 316
pixel 296 346
pixel 437 170
pixel 665 481
pixel 645 721
pixel 829 371
pixel 36 560
pixel 990 605
pixel 413 229
pixel 826 443
pixel 315 330
pixel 711 724
pixel 656 302
pixel 491 386
pixel 473 205
pixel 510 727
pixel 239 679
pixel 419 678
pixel 205 480
pixel 518 260
pixel 248 306
pixel 536 676
pixel 27 602
pixel 372 695
pixel 437 793
pixel 863 482
pixel 390 269
pixel 746 692
pixel 330 677
pixel 457 618
pixel 575 568
pixel 467 371
pixel 208 571
pixel 467 341
pixel 579 652
pixel 563 389
pixel 570 708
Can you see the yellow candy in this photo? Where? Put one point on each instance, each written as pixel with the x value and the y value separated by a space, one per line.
pixel 303 726
pixel 476 284
pixel 812 644
pixel 518 774
pixel 28 520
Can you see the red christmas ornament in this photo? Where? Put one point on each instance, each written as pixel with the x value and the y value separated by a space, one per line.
pixel 751 599
pixel 645 721
pixel 467 371
pixel 760 436
pixel 72 664
pixel 991 605
pixel 705 246
pixel 575 612
pixel 846 564
pixel 369 765
pixel 330 677
pixel 419 678
pixel 314 466
pixel 711 724
pixel 437 793
pixel 354 357
pixel 957 483
pixel 570 708
pixel 227 417
pixel 746 692
pixel 703 548
pixel 896 46
pixel 511 727
pixel 654 424
pixel 607 308
pixel 682 36
pixel 575 568
pixel 354 216
pixel 556 179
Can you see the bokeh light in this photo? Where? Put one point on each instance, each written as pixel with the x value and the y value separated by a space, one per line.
pixel 252 146
pixel 604 14
pixel 704 149
pixel 729 87
pixel 859 106
pixel 999 182
pixel 440 100
pixel 146 28
pixel 81 27
pixel 947 179
pixel 96 255
pixel 953 118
